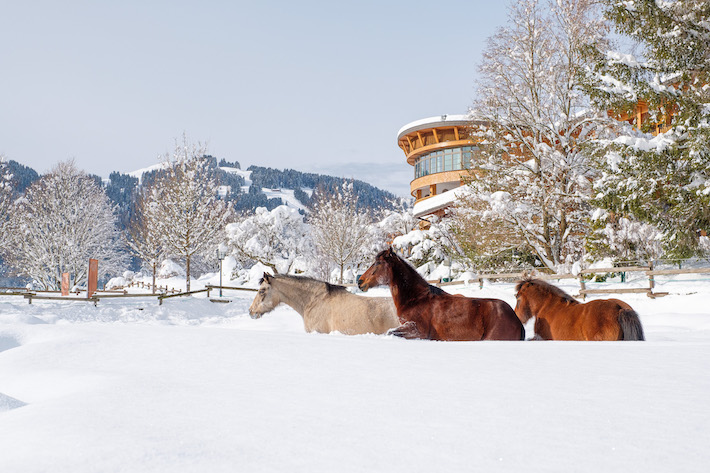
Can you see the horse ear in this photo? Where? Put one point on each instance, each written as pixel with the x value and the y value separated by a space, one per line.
pixel 267 277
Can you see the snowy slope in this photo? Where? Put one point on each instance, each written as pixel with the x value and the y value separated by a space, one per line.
pixel 196 386
pixel 139 172
pixel 286 195
pixel 245 174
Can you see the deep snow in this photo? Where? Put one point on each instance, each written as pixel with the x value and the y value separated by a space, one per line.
pixel 197 386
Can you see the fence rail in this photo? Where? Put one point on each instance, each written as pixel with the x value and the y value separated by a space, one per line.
pixel 584 291
pixel 31 295
pixel 648 271
pixel 168 293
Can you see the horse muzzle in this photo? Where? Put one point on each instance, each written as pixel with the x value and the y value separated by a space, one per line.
pixel 363 286
pixel 255 315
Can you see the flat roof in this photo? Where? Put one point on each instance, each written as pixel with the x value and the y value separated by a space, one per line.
pixel 432 122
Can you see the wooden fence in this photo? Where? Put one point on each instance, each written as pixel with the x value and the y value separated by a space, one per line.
pixel 167 293
pixel 649 271
pixel 74 296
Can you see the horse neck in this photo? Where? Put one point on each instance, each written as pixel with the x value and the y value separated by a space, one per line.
pixel 296 293
pixel 406 284
pixel 544 299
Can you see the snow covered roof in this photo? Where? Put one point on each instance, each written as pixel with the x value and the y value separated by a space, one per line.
pixel 432 204
pixel 453 120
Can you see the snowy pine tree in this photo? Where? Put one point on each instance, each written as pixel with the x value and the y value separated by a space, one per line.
pixel 63 220
pixel 531 183
pixel 6 194
pixel 662 180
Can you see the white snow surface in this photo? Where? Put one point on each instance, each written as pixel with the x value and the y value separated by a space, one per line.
pixel 194 386
pixel 286 196
pixel 139 172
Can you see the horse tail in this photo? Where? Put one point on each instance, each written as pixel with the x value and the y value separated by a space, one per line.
pixel 631 328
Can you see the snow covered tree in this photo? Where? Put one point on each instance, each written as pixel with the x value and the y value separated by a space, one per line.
pixel 531 182
pixel 397 221
pixel 623 240
pixel 63 220
pixel 6 193
pixel 144 237
pixel 340 231
pixel 279 239
pixel 188 213
pixel 662 180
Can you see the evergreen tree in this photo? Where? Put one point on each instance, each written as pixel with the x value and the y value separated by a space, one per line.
pixel 6 195
pixel 662 180
pixel 22 176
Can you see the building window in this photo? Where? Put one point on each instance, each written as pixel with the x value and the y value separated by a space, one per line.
pixel 450 159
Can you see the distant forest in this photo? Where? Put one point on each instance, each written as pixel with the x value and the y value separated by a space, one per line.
pixel 122 188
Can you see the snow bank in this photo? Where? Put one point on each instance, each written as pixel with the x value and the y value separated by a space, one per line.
pixel 194 386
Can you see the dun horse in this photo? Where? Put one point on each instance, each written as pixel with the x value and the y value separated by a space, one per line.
pixel 561 317
pixel 324 307
pixel 425 311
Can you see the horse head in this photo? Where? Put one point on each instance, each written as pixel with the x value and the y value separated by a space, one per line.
pixel 265 300
pixel 522 295
pixel 380 273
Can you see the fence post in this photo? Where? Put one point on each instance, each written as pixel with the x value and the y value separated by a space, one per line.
pixel 651 280
pixel 582 286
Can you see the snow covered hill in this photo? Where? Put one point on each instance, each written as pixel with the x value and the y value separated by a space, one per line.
pixel 286 195
pixel 195 386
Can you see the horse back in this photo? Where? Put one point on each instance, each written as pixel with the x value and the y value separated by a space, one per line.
pixel 353 315
pixel 603 319
pixel 456 317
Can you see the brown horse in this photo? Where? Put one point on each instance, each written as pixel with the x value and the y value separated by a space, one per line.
pixel 558 316
pixel 425 311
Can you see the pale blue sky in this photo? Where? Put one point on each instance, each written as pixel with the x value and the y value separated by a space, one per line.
pixel 318 86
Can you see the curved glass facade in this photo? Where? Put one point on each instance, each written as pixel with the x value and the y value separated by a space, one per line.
pixel 451 159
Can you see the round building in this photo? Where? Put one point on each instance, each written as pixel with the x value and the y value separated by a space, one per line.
pixel 440 149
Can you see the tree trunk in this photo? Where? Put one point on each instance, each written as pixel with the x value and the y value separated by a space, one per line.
pixel 187 274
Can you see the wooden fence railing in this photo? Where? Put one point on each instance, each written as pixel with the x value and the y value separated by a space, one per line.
pixel 167 293
pixel 649 271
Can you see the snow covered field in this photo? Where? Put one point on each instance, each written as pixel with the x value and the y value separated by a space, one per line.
pixel 197 386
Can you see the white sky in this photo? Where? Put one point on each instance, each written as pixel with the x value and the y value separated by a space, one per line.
pixel 316 86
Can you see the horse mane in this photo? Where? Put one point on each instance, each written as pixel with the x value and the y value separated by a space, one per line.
pixel 330 289
pixel 410 276
pixel 547 288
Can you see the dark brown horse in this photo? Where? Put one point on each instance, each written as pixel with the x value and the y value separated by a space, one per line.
pixel 558 316
pixel 425 311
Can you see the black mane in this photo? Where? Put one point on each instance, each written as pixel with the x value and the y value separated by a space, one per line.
pixel 408 275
